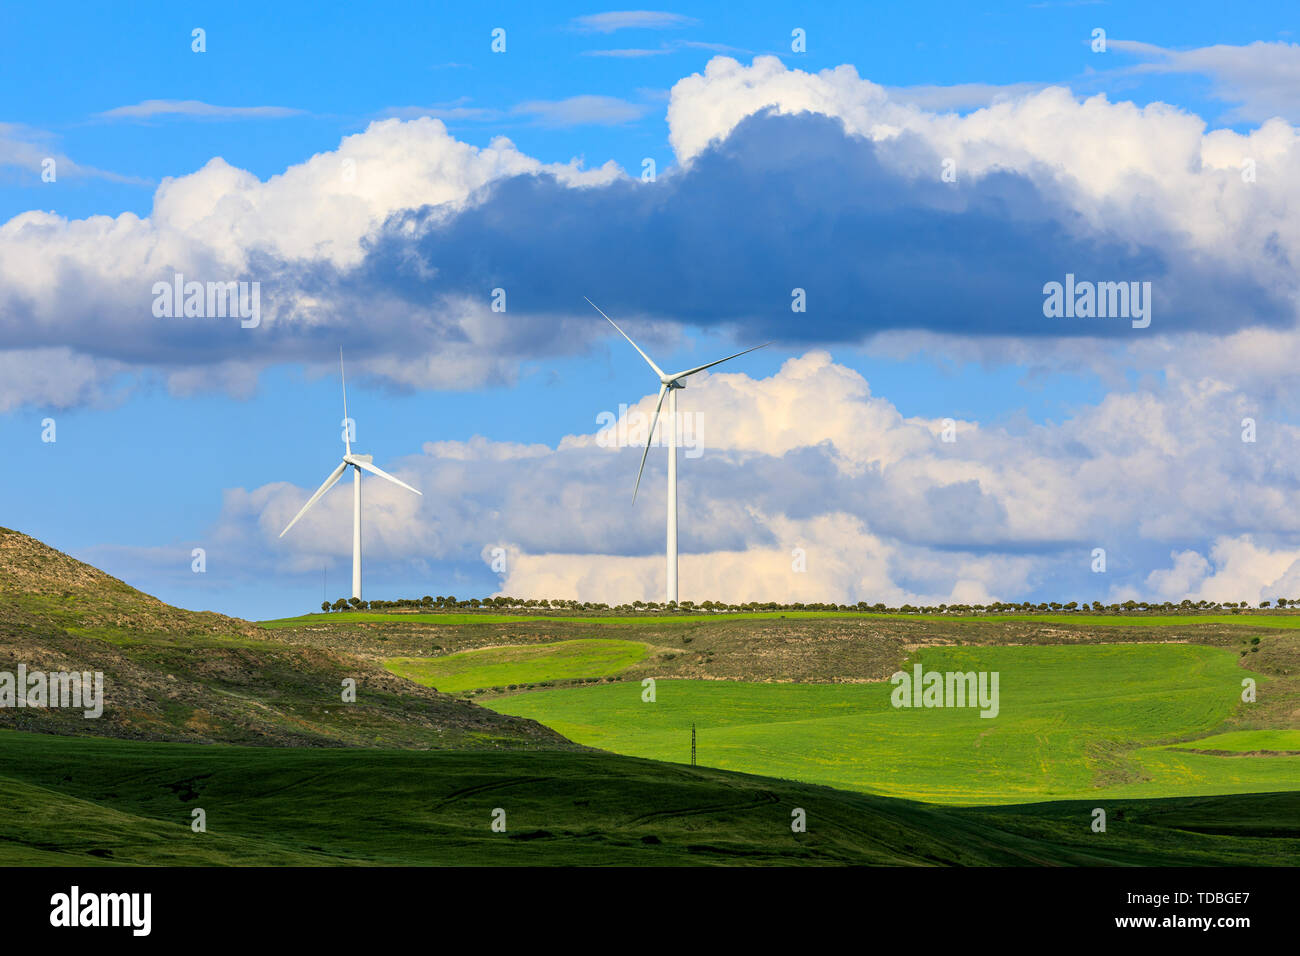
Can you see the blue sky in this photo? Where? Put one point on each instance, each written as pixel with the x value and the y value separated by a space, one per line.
pixel 144 462
pixel 341 68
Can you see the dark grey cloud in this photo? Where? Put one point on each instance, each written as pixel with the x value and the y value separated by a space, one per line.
pixel 791 202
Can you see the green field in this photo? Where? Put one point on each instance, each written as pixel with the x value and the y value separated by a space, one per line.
pixel 1074 722
pixel 455 618
pixel 78 801
pixel 533 663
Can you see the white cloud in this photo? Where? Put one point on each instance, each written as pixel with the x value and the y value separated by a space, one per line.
pixel 1261 78
pixel 1138 175
pixel 674 46
pixel 454 111
pixel 959 96
pixel 884 509
pixel 808 457
pixel 1148 176
pixel 582 111
pixel 843 561
pixel 479 448
pixel 1140 171
pixel 1239 568
pixel 86 283
pixel 1182 579
pixel 322 208
pixel 629 53
pixel 57 378
pixel 196 109
pixel 810 401
pixel 29 149
pixel 615 20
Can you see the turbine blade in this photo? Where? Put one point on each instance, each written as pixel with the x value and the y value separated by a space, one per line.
pixel 701 368
pixel 347 436
pixel 335 475
pixel 663 390
pixel 658 370
pixel 366 466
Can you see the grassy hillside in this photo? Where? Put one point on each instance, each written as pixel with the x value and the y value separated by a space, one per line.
pixel 86 801
pixel 171 674
pixel 1074 721
pixel 39 584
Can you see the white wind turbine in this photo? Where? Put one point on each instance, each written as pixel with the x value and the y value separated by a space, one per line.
pixel 668 385
pixel 359 463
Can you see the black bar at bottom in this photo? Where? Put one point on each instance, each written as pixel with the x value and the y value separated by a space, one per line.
pixel 915 906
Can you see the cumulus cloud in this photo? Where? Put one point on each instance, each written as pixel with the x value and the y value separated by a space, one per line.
pixel 63 379
pixel 1183 578
pixel 837 558
pixel 1239 568
pixel 875 243
pixel 87 285
pixel 766 485
pixel 1145 174
pixel 959 96
pixel 823 182
pixel 878 504
pixel 1141 170
pixel 785 179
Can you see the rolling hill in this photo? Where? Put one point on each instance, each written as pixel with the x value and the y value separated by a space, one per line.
pixel 75 801
pixel 179 675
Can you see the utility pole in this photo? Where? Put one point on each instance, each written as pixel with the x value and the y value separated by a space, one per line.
pixel 692 743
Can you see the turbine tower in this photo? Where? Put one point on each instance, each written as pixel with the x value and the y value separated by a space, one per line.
pixel 359 463
pixel 668 385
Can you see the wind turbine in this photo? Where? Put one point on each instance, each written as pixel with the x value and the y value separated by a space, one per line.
pixel 359 464
pixel 668 385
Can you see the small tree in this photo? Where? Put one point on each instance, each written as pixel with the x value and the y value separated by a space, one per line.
pixel 325 606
